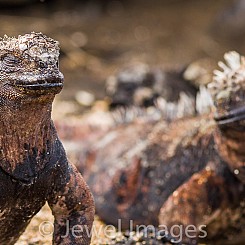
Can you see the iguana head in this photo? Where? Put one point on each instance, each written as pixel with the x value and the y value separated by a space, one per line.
pixel 29 80
pixel 228 91
pixel 29 67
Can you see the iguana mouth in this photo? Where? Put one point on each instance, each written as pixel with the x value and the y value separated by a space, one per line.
pixel 235 115
pixel 40 84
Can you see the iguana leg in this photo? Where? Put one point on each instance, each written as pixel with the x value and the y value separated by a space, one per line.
pixel 197 203
pixel 73 209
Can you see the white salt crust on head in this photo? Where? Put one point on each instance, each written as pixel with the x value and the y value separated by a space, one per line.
pixel 35 45
pixel 231 79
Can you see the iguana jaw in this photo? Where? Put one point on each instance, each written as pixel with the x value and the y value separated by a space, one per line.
pixel 46 84
pixel 232 116
pixel 35 84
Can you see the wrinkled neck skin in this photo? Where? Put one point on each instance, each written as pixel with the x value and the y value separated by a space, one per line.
pixel 231 146
pixel 25 132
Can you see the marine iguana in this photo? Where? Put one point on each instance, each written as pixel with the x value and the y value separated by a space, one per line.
pixel 140 85
pixel 191 170
pixel 33 164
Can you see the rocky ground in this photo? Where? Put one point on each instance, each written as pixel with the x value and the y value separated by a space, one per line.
pixel 39 232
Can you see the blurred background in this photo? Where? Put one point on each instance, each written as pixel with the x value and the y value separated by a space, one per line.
pixel 98 38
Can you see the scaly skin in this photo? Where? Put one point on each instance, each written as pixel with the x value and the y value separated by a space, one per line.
pixel 191 171
pixel 33 164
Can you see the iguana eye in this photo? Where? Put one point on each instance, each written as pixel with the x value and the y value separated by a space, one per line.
pixel 42 64
pixel 10 62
